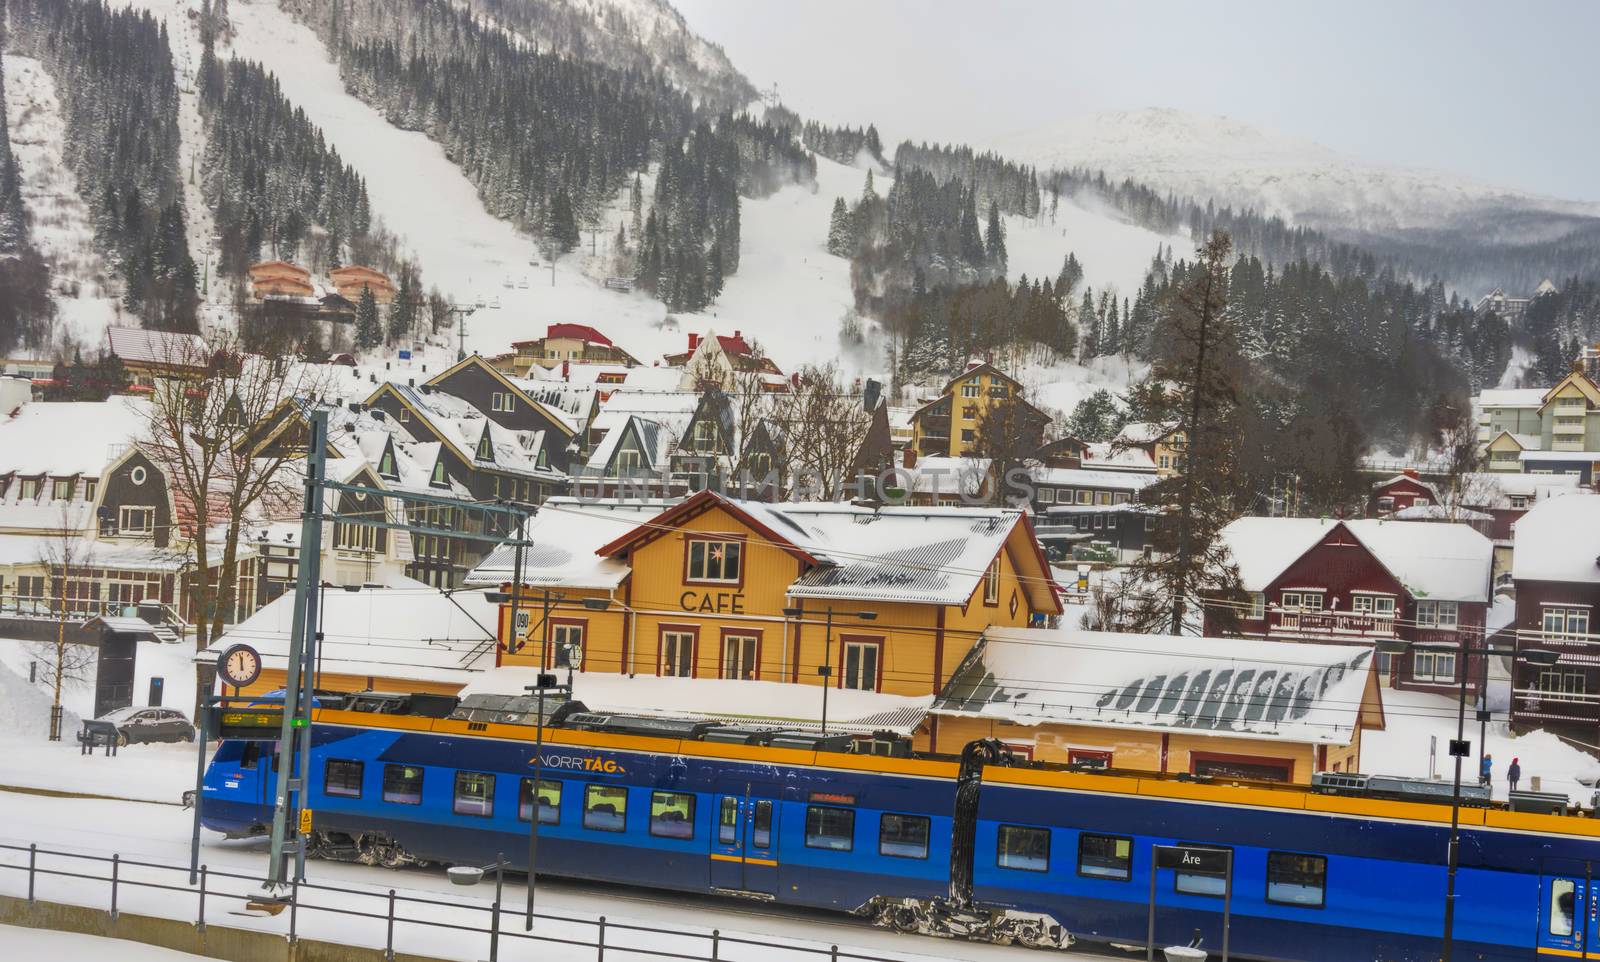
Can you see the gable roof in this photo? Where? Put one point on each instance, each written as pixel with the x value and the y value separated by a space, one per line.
pixel 581 332
pixel 567 534
pixel 522 389
pixel 894 554
pixel 1434 560
pixel 170 348
pixel 980 368
pixel 1577 378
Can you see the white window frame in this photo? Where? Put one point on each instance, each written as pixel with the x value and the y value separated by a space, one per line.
pixel 991 582
pixel 1439 615
pixel 734 649
pixel 971 389
pixel 1560 684
pixel 1564 622
pixel 850 675
pixel 704 576
pixel 124 528
pixel 1426 665
pixel 705 436
pixel 1258 606
pixel 628 462
pixel 672 641
pixel 1047 495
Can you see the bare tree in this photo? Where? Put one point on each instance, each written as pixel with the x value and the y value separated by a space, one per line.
pixel 1462 487
pixel 64 554
pixel 199 434
pixel 1008 433
pixel 824 427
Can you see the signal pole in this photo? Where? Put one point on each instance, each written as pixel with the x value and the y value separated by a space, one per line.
pixel 295 734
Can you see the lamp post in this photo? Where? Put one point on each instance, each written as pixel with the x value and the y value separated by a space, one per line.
pixel 472 875
pixel 1460 748
pixel 545 682
pixel 825 670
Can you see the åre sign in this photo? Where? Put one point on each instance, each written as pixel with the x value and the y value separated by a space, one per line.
pixel 1210 860
pixel 719 602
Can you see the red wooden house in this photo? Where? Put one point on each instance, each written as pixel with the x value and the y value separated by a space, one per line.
pixel 1556 567
pixel 1362 581
pixel 1400 492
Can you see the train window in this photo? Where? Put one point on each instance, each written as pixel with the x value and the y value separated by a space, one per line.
pixel 831 828
pixel 249 756
pixel 761 825
pixel 605 808
pixel 474 794
pixel 1214 884
pixel 402 784
pixel 728 821
pixel 1105 856
pixel 903 836
pixel 1023 848
pixel 672 814
pixel 1563 896
pixel 342 778
pixel 1294 879
pixel 549 801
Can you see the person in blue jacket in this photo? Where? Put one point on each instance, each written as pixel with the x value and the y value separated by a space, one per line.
pixel 1486 770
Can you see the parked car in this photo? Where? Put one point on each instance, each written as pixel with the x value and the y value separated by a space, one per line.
pixel 136 724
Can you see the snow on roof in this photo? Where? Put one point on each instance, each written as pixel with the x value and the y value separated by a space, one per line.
pixel 1437 560
pixel 409 631
pixel 1494 489
pixel 1237 688
pixel 1532 455
pixel 1091 478
pixel 1107 456
pixel 1144 432
pixel 1558 540
pixel 70 437
pixel 1527 442
pixel 779 704
pixel 933 555
pixel 565 535
pixel 1439 512
pixel 458 422
pixel 1525 397
pixel 940 474
pixel 581 332
pixel 146 346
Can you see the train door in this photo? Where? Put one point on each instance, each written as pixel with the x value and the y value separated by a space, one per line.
pixel 744 842
pixel 1569 919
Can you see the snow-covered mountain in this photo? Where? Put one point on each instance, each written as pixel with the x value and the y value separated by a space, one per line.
pixel 1230 161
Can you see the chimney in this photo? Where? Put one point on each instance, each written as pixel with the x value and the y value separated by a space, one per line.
pixel 1412 474
pixel 737 333
pixel 908 457
pixel 870 392
pixel 794 380
pixel 694 341
pixel 566 370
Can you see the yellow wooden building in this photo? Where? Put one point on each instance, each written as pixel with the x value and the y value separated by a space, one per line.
pixel 948 425
pixel 886 599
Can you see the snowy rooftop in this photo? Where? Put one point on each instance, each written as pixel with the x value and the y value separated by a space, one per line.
pixel 1533 455
pixel 1527 397
pixel 566 534
pixel 146 346
pixel 943 475
pixel 1438 560
pixel 775 703
pixel 1558 540
pixel 408 631
pixel 1144 432
pixel 1494 489
pixel 1300 692
pixel 70 437
pixel 1107 456
pixel 1439 512
pixel 1091 478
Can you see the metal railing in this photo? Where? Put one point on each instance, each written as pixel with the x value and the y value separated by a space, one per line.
pixel 393 909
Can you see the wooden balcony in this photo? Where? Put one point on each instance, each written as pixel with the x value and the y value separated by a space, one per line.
pixel 1340 623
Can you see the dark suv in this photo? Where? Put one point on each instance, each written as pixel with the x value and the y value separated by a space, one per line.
pixel 134 724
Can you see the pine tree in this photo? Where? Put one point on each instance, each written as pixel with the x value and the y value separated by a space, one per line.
pixel 994 241
pixel 369 332
pixel 840 242
pixel 1088 326
pixel 1071 274
pixel 563 227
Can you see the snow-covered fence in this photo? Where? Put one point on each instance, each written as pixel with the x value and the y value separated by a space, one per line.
pixel 369 917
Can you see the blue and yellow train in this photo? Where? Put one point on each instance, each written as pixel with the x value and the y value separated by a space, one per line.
pixel 982 846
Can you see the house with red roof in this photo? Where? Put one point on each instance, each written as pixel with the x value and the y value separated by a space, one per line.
pixel 565 344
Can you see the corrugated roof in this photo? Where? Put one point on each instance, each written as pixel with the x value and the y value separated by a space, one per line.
pixel 1301 692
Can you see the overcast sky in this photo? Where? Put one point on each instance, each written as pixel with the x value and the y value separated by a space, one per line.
pixel 1502 91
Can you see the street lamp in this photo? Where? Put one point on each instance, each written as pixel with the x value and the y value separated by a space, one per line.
pixel 545 682
pixel 472 875
pixel 1460 748
pixel 825 670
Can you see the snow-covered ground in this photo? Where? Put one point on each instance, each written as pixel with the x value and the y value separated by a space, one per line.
pixel 48 944
pixel 86 292
pixel 158 772
pixel 160 834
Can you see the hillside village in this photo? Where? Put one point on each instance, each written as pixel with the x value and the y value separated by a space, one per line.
pixel 706 528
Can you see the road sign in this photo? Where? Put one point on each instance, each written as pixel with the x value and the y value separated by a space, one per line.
pixel 1210 860
pixel 305 821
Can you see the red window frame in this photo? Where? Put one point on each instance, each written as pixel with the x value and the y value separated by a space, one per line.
pixel 722 650
pixel 1263 761
pixel 693 631
pixel 744 551
pixel 844 641
pixel 1076 755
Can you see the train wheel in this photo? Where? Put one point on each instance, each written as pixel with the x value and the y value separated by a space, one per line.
pixel 391 855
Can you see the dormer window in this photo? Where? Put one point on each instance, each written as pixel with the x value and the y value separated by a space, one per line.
pixel 485 447
pixel 61 489
pixel 29 489
pixel 386 464
pixel 705 436
pixel 438 479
